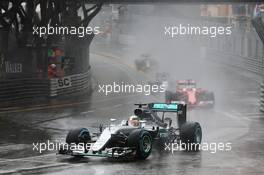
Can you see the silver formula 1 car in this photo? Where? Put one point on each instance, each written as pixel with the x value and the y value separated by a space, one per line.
pixel 154 125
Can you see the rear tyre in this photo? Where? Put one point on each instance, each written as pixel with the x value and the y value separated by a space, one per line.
pixel 191 136
pixel 142 141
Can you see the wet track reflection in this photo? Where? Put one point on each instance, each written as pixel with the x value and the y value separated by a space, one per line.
pixel 234 119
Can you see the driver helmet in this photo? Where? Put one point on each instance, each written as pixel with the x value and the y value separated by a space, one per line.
pixel 133 121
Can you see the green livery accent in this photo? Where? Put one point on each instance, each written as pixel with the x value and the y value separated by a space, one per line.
pixel 164 107
pixel 163 132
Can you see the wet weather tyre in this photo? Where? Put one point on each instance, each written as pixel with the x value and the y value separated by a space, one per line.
pixel 141 140
pixel 79 135
pixel 191 136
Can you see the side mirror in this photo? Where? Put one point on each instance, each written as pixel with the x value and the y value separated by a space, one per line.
pixel 138 112
pixel 112 121
pixel 101 128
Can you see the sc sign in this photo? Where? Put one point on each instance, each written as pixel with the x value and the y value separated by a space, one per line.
pixel 64 82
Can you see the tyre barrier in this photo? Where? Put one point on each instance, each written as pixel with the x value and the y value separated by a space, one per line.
pixel 70 84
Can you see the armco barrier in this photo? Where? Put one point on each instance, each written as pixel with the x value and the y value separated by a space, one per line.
pixel 235 58
pixel 70 84
pixel 254 65
pixel 15 90
pixel 19 91
pixel 262 97
pixel 259 27
pixel 250 64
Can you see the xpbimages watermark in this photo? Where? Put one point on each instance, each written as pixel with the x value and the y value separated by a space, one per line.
pixel 211 147
pixel 145 89
pixel 170 147
pixel 65 30
pixel 41 147
pixel 183 30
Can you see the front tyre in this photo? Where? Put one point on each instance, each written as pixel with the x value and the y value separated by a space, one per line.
pixel 191 136
pixel 142 141
pixel 79 136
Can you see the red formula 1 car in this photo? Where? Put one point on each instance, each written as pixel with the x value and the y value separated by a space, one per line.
pixel 187 92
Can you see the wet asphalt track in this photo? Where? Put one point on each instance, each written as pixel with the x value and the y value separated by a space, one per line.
pixel 234 119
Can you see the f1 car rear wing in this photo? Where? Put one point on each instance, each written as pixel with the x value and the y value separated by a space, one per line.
pixel 166 107
pixel 186 84
pixel 178 108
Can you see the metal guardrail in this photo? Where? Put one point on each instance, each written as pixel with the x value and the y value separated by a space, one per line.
pixel 20 91
pixel 17 90
pixel 233 54
pixel 70 84
pixel 250 64
pixel 261 97
pixel 254 65
pixel 259 27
